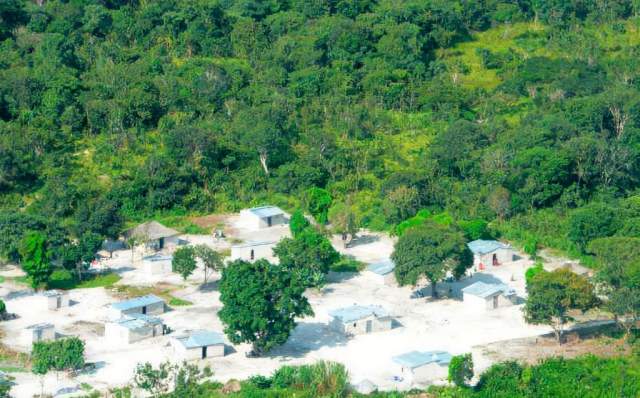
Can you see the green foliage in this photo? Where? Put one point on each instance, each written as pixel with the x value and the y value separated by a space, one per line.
pixel 431 250
pixel 475 229
pixel 3 307
pixel 532 271
pixel 591 222
pixel 211 259
pixel 552 294
pixel 414 221
pixel 62 354
pixel 308 256
pixel 261 301
pixel 460 369
pixel 184 261
pixel 298 223
pixel 318 202
pixel 34 253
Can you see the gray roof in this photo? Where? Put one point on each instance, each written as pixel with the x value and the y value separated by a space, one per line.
pixel 266 211
pixel 54 293
pixel 157 257
pixel 137 302
pixel 138 321
pixel 484 290
pixel 357 312
pixel 201 338
pixel 151 230
pixel 253 243
pixel 383 267
pixel 486 246
pixel 40 326
pixel 415 359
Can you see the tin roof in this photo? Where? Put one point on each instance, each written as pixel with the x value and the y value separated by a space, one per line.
pixel 42 325
pixel 137 302
pixel 266 211
pixel 157 257
pixel 253 243
pixel 486 246
pixel 54 293
pixel 415 359
pixel 484 290
pixel 383 267
pixel 357 312
pixel 201 338
pixel 138 321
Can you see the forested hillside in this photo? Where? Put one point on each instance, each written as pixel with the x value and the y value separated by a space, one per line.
pixel 525 114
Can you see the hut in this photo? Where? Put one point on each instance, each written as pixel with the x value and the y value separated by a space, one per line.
pixel 199 344
pixel 55 299
pixel 154 235
pixel 252 250
pixel 423 366
pixel 132 328
pixel 490 253
pixel 144 305
pixel 359 319
pixel 262 217
pixel 382 271
pixel 488 296
pixel 39 332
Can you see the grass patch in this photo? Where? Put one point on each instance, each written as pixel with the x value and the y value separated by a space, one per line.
pixel 13 369
pixel 348 264
pixel 21 280
pixel 161 290
pixel 65 280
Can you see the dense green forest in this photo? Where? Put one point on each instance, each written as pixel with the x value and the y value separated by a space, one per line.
pixel 524 114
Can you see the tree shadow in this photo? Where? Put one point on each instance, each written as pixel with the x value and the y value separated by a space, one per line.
pixel 362 240
pixel 453 289
pixel 308 337
pixel 338 277
pixel 209 286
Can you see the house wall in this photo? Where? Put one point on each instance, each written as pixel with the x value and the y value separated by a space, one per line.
pixel 429 372
pixel 259 251
pixel 503 256
pixel 360 326
pixel 190 354
pixel 251 221
pixel 52 301
pixel 120 335
pixel 31 336
pixel 475 302
pixel 157 267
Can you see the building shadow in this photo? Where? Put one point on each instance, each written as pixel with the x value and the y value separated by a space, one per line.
pixel 362 240
pixel 453 289
pixel 338 277
pixel 308 337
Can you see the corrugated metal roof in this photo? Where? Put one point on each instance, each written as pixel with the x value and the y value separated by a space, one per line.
pixel 383 267
pixel 201 338
pixel 356 312
pixel 157 257
pixel 40 326
pixel 54 293
pixel 486 246
pixel 484 290
pixel 137 302
pixel 266 211
pixel 414 359
pixel 138 321
pixel 253 243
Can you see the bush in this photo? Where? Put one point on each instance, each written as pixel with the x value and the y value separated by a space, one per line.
pixel 261 382
pixel 533 271
pixel 3 307
pixel 461 369
pixel 298 223
pixel 318 202
pixel 475 229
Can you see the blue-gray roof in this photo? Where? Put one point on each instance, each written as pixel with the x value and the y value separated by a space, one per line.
pixel 414 359
pixel 138 321
pixel 383 267
pixel 266 211
pixel 484 290
pixel 42 325
pixel 157 257
pixel 201 338
pixel 357 312
pixel 137 302
pixel 253 243
pixel 486 246
pixel 53 293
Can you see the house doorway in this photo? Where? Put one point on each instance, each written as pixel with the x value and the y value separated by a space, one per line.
pixel 58 302
pixel 495 302
pixel 204 352
pixel 144 310
pixel 252 255
pixel 269 222
pixel 161 243
pixel 494 260
pixel 369 326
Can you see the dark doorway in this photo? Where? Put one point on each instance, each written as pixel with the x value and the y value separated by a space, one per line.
pixel 495 302
pixel 144 310
pixel 58 302
pixel 204 352
pixel 252 255
pixel 269 221
pixel 495 260
pixel 161 243
pixel 369 326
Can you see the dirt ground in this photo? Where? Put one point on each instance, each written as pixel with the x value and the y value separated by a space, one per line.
pixel 421 323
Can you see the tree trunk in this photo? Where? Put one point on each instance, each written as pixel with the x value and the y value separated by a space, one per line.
pixel 263 161
pixel 434 291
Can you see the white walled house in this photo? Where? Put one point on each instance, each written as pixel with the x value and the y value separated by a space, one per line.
pixel 132 328
pixel 425 366
pixel 157 264
pixel 144 305
pixel 55 299
pixel 488 296
pixel 262 217
pixel 198 344
pixel 38 332
pixel 252 250
pixel 490 253
pixel 383 272
pixel 154 235
pixel 359 319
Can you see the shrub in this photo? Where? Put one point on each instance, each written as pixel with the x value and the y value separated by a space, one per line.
pixel 475 229
pixel 461 369
pixel 298 223
pixel 318 201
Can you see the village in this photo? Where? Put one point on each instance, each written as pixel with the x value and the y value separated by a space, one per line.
pixel 389 337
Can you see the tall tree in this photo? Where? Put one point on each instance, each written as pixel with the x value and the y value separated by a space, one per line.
pixel 431 250
pixel 211 259
pixel 552 294
pixel 261 302
pixel 35 258
pixel 184 261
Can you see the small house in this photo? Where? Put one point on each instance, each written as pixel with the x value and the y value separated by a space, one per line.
pixel 262 217
pixel 419 367
pixel 154 235
pixel 199 344
pixel 360 319
pixel 39 332
pixel 252 250
pixel 144 305
pixel 132 328
pixel 382 271
pixel 488 296
pixel 56 299
pixel 156 264
pixel 490 253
